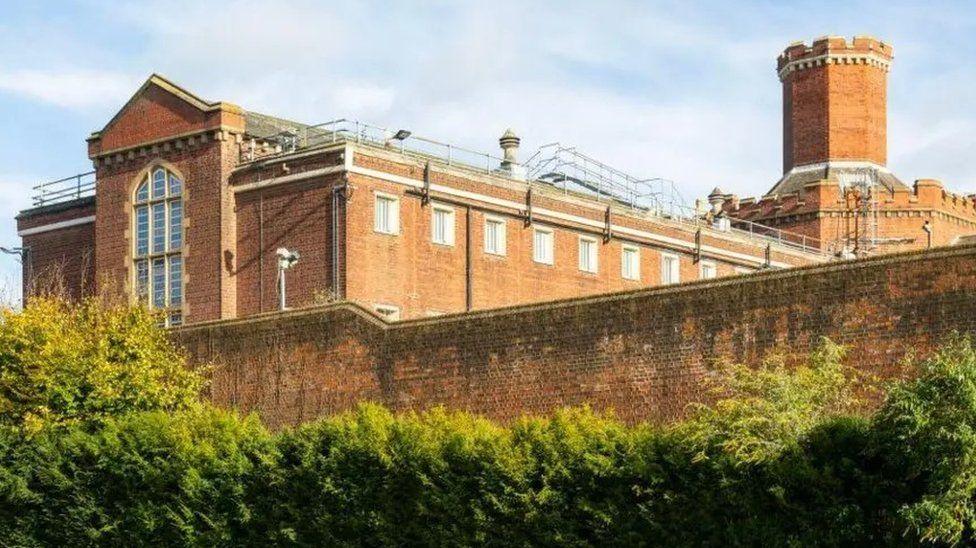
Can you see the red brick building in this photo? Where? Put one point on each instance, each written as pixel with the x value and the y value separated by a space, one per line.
pixel 191 200
pixel 836 186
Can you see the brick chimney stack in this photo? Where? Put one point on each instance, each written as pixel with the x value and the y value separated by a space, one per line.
pixel 835 101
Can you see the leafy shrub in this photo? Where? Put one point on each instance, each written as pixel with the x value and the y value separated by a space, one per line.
pixel 927 433
pixel 145 478
pixel 763 411
pixel 62 363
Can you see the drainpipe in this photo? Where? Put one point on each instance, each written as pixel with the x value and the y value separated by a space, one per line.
pixel 261 253
pixel 337 197
pixel 468 288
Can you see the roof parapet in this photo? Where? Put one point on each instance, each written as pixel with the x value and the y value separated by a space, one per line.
pixel 827 50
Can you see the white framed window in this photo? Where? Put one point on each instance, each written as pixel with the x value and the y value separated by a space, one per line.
pixel 387 214
pixel 542 245
pixel 588 254
pixel 630 262
pixel 158 244
pixel 495 235
pixel 708 270
pixel 389 312
pixel 442 225
pixel 670 269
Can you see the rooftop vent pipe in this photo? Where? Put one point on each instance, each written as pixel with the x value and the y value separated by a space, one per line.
pixel 510 145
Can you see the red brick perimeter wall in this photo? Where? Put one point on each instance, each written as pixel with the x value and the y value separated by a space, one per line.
pixel 642 353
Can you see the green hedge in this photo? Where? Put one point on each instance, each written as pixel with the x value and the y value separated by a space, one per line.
pixel 206 478
pixel 731 475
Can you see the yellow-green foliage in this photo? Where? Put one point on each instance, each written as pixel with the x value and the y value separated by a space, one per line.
pixel 62 362
pixel 761 411
pixel 927 432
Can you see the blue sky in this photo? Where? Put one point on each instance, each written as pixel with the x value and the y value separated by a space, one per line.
pixel 682 90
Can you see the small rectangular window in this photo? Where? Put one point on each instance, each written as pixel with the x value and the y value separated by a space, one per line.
pixel 442 225
pixel 588 259
pixel 708 270
pixel 389 313
pixel 494 236
pixel 630 262
pixel 542 246
pixel 387 214
pixel 670 269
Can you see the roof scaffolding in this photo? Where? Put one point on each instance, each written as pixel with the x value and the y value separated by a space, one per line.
pixel 567 168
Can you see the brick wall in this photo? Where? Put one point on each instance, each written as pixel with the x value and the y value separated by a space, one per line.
pixel 63 258
pixel 642 353
pixel 296 216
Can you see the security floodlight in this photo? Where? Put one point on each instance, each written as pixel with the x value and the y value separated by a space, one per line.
pixel 286 259
pixel 402 134
pixel 20 252
pixel 927 227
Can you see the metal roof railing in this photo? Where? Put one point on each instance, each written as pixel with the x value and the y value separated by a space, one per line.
pixel 399 140
pixel 554 165
pixel 64 190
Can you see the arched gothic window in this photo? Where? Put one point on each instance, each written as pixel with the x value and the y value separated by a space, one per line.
pixel 158 245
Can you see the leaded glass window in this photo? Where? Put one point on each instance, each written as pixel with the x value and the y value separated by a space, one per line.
pixel 158 244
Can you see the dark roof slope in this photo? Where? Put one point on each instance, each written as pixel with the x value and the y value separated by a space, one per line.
pixel 795 180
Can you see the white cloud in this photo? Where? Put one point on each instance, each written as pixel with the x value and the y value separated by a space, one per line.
pixel 679 90
pixel 356 98
pixel 69 88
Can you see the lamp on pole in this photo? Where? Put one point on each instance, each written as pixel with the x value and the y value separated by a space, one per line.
pixel 286 259
pixel 927 227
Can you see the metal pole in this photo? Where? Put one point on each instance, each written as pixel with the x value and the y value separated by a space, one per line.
pixel 281 288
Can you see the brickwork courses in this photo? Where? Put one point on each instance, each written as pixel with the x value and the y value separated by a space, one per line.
pixel 254 184
pixel 62 258
pixel 642 353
